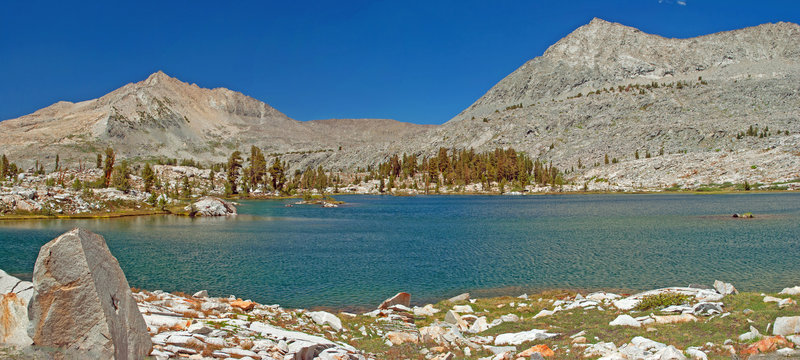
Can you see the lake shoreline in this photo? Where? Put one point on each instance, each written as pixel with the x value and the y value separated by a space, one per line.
pixel 179 211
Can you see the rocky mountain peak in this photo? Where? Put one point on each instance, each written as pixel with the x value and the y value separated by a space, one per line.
pixel 157 76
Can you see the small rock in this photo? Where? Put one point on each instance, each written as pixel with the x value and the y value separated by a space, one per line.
pixel 696 353
pixel 245 305
pixel 625 320
pixel 200 294
pixel 750 335
pixel 541 349
pixel 724 288
pixel 463 309
pixel 402 337
pixel 510 318
pixel 457 298
pixel 323 318
pixel 674 319
pixel 427 310
pixel 199 328
pixel 521 337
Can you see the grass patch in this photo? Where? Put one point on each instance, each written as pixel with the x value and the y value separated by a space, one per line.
pixel 658 301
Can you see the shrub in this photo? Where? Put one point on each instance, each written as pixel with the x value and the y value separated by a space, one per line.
pixel 662 300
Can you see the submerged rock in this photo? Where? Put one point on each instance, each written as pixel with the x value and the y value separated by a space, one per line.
pixel 82 300
pixel 211 206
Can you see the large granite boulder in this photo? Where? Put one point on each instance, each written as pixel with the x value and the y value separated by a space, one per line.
pixel 82 301
pixel 14 297
pixel 211 206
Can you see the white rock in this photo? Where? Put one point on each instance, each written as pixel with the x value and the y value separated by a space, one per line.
pixel 480 325
pixel 625 320
pixel 427 310
pixel 696 353
pixel 199 328
pixel 786 325
pixel 794 338
pixel 521 337
pixel 544 313
pixel 600 349
pixel 750 335
pixel 463 309
pixel 211 206
pixel 602 296
pixel 323 317
pixel 669 353
pixel 647 344
pixel 724 288
pixel 791 291
pixel 510 318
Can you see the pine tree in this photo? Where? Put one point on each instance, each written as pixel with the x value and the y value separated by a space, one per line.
pixel 258 167
pixel 186 188
pixel 57 158
pixel 99 161
pixel 121 177
pixel 148 176
pixel 606 159
pixel 278 173
pixel 4 168
pixel 108 166
pixel 233 166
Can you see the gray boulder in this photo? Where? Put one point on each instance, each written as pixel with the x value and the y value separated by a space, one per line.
pixel 211 206
pixel 82 301
pixel 724 288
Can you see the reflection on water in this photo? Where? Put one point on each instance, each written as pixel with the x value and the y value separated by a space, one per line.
pixel 436 246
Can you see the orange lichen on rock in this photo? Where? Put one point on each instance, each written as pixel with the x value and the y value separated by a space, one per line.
pixel 768 345
pixel 244 305
pixel 541 349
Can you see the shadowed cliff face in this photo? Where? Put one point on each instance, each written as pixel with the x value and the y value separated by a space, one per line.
pixel 605 89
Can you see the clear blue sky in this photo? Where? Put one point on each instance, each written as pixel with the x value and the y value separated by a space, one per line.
pixel 416 61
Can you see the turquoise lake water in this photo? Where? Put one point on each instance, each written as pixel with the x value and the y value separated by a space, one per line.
pixel 438 246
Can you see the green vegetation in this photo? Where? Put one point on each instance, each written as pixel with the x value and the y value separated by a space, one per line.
pixel 232 167
pixel 662 300
pixel 108 166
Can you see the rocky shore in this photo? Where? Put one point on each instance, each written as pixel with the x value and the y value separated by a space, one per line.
pixel 79 304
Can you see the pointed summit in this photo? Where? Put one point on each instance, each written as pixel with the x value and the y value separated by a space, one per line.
pixel 157 78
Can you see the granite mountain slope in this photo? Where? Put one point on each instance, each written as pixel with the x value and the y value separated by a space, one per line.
pixel 163 116
pixel 604 90
pixel 609 89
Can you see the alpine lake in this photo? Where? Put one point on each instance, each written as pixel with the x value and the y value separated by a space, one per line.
pixel 433 247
